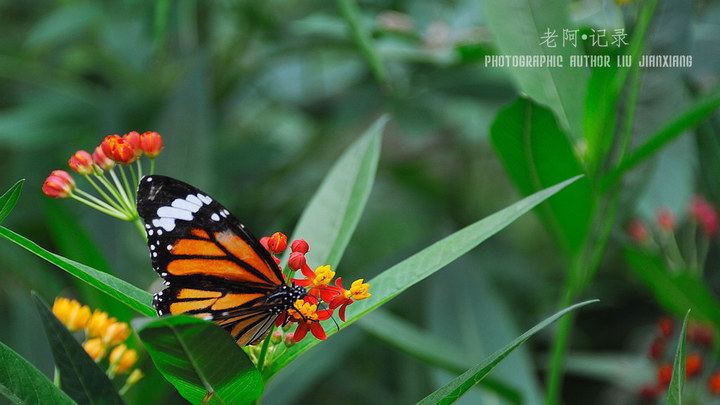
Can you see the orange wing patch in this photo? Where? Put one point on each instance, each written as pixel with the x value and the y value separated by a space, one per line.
pixel 240 249
pixel 187 306
pixel 212 267
pixel 234 301
pixel 199 233
pixel 196 247
pixel 192 293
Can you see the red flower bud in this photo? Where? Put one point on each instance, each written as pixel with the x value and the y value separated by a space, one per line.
pixel 299 245
pixel 118 149
pixel 101 159
pixel 705 214
pixel 151 143
pixel 81 162
pixel 277 243
pixel 693 364
pixel 666 219
pixel 133 138
pixel 289 339
pixel 657 349
pixel 637 230
pixel 665 325
pixel 296 261
pixel 714 383
pixel 664 375
pixel 59 184
pixel 649 393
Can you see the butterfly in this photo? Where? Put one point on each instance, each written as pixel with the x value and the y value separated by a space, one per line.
pixel 213 267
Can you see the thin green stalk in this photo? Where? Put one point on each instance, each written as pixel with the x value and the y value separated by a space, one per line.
pixel 152 166
pixel 139 172
pixel 351 13
pixel 121 190
pixel 112 189
pixel 112 213
pixel 105 196
pixel 56 377
pixel 263 351
pixel 128 190
pixel 557 359
pixel 139 225
pixel 96 201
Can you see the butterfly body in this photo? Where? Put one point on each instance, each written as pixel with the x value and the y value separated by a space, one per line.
pixel 213 267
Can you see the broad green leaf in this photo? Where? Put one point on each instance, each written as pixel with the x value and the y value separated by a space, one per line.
pixel 123 291
pixel 536 154
pixel 460 385
pixel 423 264
pixel 199 357
pixel 9 199
pixel 334 211
pixel 676 292
pixel 22 383
pixel 677 382
pixel 562 89
pixel 80 377
pixel 423 345
pixel 690 118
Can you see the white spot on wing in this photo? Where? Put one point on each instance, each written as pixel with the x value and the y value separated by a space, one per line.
pixel 166 223
pixel 205 199
pixel 185 205
pixel 174 213
pixel 215 217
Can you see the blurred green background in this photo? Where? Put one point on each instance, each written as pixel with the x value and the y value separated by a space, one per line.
pixel 256 99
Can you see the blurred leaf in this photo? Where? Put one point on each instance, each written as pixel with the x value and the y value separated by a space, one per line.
pixel 460 385
pixel 536 154
pixel 677 383
pixel 421 265
pixel 199 357
pixel 22 383
pixel 9 199
pixel 690 118
pixel 425 346
pixel 675 292
pixel 71 21
pixel 123 291
pixel 80 377
pixel 332 214
pixel 361 35
pixel 562 89
pixel 630 372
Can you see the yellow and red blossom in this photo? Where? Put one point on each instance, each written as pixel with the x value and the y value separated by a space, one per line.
pixel 358 291
pixel 81 162
pixel 118 149
pixel 116 333
pixel 102 160
pixel 133 139
pixel 308 317
pixel 59 184
pixel 318 281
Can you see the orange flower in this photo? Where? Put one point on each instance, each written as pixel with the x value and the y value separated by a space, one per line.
pixel 277 243
pixel 693 364
pixel 81 162
pixel 98 324
pixel 73 315
pixel 308 318
pixel 116 333
pixel 101 159
pixel 122 358
pixel 714 383
pixel 118 149
pixel 95 349
pixel 151 144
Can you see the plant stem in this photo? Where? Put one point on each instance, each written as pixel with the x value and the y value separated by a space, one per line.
pixel 351 13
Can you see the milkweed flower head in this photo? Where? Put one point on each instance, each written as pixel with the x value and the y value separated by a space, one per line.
pixel 103 334
pixel 112 170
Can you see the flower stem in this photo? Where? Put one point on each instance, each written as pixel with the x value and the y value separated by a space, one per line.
pixel 263 351
pixel 105 196
pixel 120 189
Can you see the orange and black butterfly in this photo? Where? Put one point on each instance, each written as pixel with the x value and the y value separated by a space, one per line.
pixel 213 267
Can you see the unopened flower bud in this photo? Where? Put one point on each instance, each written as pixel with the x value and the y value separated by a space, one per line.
pixel 151 144
pixel 277 243
pixel 59 184
pixel 296 261
pixel 299 245
pixel 101 159
pixel 95 349
pixel 81 162
pixel 666 220
pixel 289 339
pixel 276 337
pixel 133 138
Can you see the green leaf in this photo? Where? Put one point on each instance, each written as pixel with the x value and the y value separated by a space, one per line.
pixel 22 383
pixel 675 292
pixel 677 382
pixel 334 211
pixel 536 154
pixel 199 357
pixel 428 348
pixel 690 118
pixel 560 88
pixel 423 264
pixel 123 291
pixel 460 385
pixel 9 199
pixel 80 377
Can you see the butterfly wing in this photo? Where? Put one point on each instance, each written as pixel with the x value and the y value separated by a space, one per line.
pixel 213 267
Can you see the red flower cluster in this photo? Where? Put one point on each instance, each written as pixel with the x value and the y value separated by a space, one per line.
pixel 704 214
pixel 305 312
pixel 699 341
pixel 116 193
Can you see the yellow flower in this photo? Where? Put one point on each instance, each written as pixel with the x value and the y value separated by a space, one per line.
pixel 122 358
pixel 115 333
pixel 98 324
pixel 95 348
pixel 323 276
pixel 71 313
pixel 358 290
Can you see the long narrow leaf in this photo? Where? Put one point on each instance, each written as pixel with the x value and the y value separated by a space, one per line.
pixel 677 382
pixel 198 358
pixel 332 214
pixel 423 264
pixel 460 385
pixel 22 383
pixel 80 377
pixel 123 291
pixel 9 199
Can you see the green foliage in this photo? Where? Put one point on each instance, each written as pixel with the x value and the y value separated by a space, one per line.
pixel 199 357
pixel 9 199
pixel 677 383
